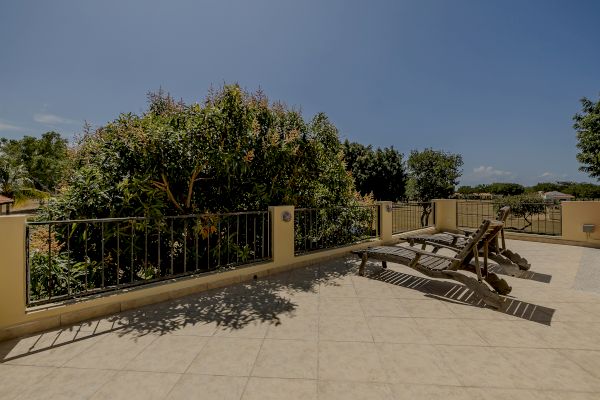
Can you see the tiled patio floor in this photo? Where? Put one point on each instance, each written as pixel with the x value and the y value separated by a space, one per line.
pixel 324 333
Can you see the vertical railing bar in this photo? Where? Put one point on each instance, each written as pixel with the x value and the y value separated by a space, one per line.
pixel 254 234
pixel 69 259
pixel 196 232
pixel 172 245
pixel 262 235
pixel 49 261
pixel 158 266
pixel 145 245
pixel 237 239
pixel 184 245
pixel 268 235
pixel 209 225
pixel 28 266
pixel 118 252
pixel 131 250
pixel 102 253
pixel 87 259
pixel 219 243
pixel 228 239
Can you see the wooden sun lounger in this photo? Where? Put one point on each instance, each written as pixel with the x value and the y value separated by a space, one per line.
pixel 440 266
pixel 511 262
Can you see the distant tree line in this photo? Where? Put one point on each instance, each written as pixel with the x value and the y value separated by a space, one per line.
pixel 579 190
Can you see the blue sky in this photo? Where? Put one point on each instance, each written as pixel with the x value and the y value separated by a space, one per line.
pixel 497 81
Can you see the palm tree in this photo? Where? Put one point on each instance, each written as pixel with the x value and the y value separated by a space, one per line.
pixel 15 183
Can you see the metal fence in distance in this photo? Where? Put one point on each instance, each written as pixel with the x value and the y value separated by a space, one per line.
pixel 412 215
pixel 541 217
pixel 326 228
pixel 70 259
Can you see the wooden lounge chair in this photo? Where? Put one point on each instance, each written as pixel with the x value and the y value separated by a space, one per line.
pixel 511 262
pixel 440 266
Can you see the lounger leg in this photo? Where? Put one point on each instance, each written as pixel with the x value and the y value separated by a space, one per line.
pixel 361 269
pixel 384 264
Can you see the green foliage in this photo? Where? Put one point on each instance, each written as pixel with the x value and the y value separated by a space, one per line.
pixel 235 151
pixel 41 163
pixel 587 125
pixel 432 174
pixel 579 190
pixel 505 189
pixel 380 172
pixel 522 206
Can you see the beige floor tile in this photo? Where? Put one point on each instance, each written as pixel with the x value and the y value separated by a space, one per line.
pixel 168 354
pixel 48 350
pixel 113 351
pixel 344 328
pixel 377 289
pixel 503 394
pixel 396 330
pixel 226 356
pixel 189 328
pixel 208 387
pixel 373 307
pixel 589 360
pixel 415 363
pixel 350 361
pixel 335 390
pixel 482 366
pixel 132 385
pixel 287 359
pixel 339 306
pixel 427 309
pixel 449 331
pixel 67 383
pixel 569 335
pixel 405 391
pixel 303 327
pixel 506 333
pixel 13 378
pixel 336 290
pixel 548 370
pixel 277 389
pixel 253 330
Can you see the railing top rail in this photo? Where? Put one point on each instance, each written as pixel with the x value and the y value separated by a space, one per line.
pixel 336 207
pixel 121 219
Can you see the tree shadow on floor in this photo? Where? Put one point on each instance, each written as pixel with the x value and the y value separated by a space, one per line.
pixel 228 308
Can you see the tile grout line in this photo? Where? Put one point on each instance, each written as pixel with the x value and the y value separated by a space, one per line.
pixel 387 382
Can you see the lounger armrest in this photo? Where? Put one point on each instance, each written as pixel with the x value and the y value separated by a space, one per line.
pixel 427 253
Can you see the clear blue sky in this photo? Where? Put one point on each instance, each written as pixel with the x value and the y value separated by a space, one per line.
pixel 497 81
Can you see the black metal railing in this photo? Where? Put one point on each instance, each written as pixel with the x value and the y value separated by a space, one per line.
pixel 412 215
pixel 326 228
pixel 531 217
pixel 74 258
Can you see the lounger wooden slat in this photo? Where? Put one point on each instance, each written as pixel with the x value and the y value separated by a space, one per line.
pixel 441 266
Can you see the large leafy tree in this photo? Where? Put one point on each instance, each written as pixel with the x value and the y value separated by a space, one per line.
pixel 41 162
pixel 587 125
pixel 235 151
pixel 380 172
pixel 432 174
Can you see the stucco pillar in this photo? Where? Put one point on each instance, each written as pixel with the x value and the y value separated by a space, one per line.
pixel 282 225
pixel 445 215
pixel 385 220
pixel 577 213
pixel 12 269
